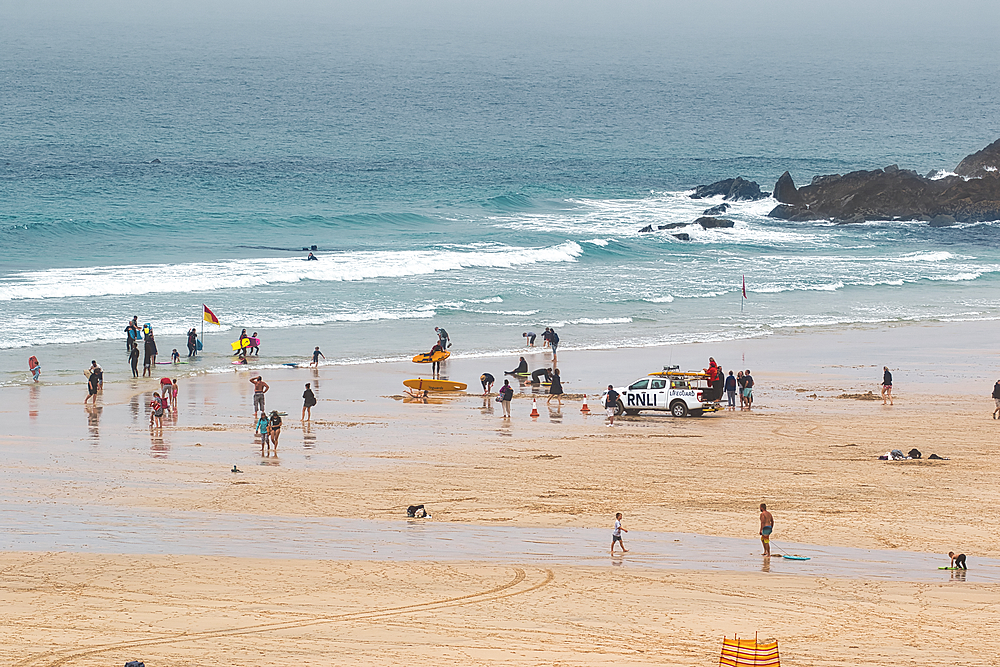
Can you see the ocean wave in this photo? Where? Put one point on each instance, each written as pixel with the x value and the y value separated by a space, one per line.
pixel 933 256
pixel 244 273
pixel 659 299
pixel 957 277
pixel 492 299
pixel 587 320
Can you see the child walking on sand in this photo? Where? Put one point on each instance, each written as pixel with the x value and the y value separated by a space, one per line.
pixel 616 536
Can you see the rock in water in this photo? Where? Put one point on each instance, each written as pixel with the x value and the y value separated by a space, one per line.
pixel 673 225
pixel 897 194
pixel 981 163
pixel 682 236
pixel 718 210
pixel 646 229
pixel 714 223
pixel 733 189
pixel 785 190
pixel 942 221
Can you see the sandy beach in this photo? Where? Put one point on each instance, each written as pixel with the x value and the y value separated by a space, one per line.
pixel 368 454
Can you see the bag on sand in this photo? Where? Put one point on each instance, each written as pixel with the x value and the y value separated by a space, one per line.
pixel 416 511
pixel 914 453
pixel 135 663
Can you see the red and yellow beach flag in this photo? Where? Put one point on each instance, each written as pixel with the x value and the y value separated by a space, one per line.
pixel 749 653
pixel 210 316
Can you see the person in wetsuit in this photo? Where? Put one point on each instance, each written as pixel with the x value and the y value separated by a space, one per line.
pixel 538 375
pixel 522 368
pixel 487 379
pixel 957 560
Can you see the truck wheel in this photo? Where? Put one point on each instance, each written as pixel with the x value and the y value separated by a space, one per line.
pixel 619 409
pixel 631 413
pixel 678 409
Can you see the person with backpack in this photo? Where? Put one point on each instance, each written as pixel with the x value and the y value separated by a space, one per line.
pixel 505 397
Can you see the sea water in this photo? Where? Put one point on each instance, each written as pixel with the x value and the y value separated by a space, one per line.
pixel 491 182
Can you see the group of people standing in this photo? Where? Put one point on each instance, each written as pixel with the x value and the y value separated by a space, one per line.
pixel 742 384
pixel 133 335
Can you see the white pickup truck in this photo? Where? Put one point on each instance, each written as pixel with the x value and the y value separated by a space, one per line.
pixel 680 394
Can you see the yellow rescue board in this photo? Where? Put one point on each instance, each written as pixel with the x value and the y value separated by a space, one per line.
pixel 689 374
pixel 427 357
pixel 435 385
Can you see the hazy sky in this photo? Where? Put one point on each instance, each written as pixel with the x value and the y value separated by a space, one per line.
pixel 721 19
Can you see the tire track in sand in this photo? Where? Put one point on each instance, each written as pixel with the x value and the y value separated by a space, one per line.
pixel 58 658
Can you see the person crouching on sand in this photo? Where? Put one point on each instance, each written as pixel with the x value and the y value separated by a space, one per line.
pixel 957 560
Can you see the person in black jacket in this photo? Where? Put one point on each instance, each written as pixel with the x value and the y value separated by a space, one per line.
pixel 308 401
pixel 996 399
pixel 886 385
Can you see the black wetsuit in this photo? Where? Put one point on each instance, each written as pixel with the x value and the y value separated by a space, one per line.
pixel 521 368
pixel 541 372
pixel 192 343
pixel 960 562
pixel 133 360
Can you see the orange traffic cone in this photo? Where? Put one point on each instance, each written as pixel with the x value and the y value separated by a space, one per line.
pixel 534 408
pixel 585 409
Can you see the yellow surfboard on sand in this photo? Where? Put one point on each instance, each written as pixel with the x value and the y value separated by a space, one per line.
pixel 427 357
pixel 434 385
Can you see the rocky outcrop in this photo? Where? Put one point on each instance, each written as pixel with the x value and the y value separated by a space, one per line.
pixel 718 210
pixel 682 236
pixel 646 229
pixel 981 163
pixel 673 225
pixel 785 190
pixel 733 189
pixel 714 223
pixel 894 193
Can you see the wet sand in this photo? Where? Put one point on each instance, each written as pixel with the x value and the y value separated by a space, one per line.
pixel 369 453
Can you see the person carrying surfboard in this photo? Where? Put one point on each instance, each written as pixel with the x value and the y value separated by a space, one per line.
pixel 766 526
pixel 192 342
pixel 34 367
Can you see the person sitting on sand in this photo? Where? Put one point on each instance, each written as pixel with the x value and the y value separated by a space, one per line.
pixel 422 397
pixel 522 368
pixel 957 561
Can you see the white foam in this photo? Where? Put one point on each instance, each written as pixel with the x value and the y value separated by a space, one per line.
pixel 492 299
pixel 244 273
pixel 660 299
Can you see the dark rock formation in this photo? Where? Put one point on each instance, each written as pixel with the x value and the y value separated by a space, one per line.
pixel 785 190
pixel 894 193
pixel 682 236
pixel 714 223
pixel 942 221
pixel 733 189
pixel 646 229
pixel 155 160
pixel 718 210
pixel 673 225
pixel 981 163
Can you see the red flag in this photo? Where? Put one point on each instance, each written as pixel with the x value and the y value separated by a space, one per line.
pixel 744 288
pixel 210 316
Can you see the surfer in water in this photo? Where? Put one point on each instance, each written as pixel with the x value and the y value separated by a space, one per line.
pixel 316 355
pixel 312 258
pixel 254 349
pixel 522 369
